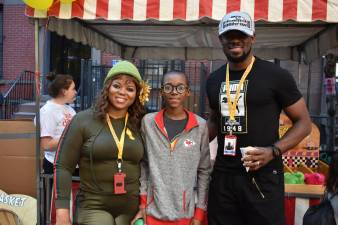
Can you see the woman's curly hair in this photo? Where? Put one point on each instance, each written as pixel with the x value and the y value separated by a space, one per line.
pixel 136 110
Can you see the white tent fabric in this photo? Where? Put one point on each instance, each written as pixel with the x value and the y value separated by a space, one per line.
pixel 74 30
pixel 322 44
pixel 197 42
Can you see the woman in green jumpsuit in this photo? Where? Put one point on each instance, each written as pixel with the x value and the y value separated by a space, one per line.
pixel 105 142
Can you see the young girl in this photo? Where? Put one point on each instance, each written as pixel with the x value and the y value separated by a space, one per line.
pixel 55 115
pixel 176 164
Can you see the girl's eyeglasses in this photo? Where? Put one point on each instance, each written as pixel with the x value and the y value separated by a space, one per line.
pixel 169 88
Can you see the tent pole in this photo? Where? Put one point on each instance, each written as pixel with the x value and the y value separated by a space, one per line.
pixel 37 121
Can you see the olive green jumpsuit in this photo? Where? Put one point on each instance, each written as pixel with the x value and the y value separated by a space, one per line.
pixel 88 142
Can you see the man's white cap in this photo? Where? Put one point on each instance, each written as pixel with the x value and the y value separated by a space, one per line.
pixel 237 21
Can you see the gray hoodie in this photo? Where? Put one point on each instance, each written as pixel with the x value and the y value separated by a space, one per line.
pixel 171 170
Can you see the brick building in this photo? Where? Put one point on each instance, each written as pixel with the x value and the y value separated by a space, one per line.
pixel 17 45
pixel 17 42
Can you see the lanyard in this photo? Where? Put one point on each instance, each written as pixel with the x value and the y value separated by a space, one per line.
pixel 232 104
pixel 119 143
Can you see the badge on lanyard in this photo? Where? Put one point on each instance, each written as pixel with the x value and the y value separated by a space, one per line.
pixel 119 183
pixel 230 140
pixel 119 177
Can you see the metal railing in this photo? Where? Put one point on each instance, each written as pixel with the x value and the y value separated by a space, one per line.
pixel 91 83
pixel 328 131
pixel 20 91
pixel 48 211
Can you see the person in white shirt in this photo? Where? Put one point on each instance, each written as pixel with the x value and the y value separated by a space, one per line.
pixel 55 115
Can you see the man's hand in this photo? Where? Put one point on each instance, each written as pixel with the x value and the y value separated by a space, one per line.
pixel 257 157
pixel 195 222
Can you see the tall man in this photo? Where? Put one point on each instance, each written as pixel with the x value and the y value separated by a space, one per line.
pixel 246 97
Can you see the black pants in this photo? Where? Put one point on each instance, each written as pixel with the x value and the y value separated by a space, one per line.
pixel 236 199
pixel 48 168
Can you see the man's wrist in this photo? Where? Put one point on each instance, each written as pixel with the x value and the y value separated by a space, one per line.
pixel 276 151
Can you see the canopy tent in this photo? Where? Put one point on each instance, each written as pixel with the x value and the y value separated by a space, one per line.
pixel 187 29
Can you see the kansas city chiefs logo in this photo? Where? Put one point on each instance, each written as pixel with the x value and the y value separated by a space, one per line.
pixel 188 143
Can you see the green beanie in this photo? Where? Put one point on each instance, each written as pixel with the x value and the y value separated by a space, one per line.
pixel 124 67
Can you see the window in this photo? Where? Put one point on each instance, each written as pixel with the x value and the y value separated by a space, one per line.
pixel 66 56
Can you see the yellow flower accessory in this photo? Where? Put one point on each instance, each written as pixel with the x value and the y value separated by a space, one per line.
pixel 144 93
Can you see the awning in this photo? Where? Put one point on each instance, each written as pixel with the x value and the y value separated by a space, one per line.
pixel 187 29
pixel 192 10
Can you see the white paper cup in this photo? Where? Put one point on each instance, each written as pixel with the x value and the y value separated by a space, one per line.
pixel 244 150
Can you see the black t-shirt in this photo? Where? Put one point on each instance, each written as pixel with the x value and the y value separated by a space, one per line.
pixel 267 90
pixel 174 127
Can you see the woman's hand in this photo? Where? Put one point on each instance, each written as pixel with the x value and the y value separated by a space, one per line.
pixel 141 214
pixel 63 217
